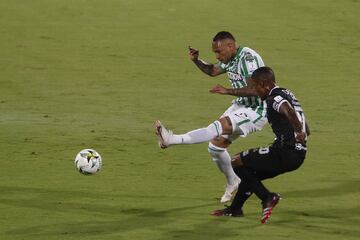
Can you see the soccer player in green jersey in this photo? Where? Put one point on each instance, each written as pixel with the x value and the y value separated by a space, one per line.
pixel 245 115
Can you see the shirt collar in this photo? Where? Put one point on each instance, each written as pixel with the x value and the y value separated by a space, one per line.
pixel 273 89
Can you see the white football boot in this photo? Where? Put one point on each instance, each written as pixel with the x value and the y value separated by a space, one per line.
pixel 229 190
pixel 163 134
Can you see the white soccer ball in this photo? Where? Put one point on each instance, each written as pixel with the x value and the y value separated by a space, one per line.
pixel 88 161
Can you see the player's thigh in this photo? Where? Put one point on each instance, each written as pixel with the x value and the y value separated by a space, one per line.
pixel 233 136
pixel 233 107
pixel 221 142
pixel 264 159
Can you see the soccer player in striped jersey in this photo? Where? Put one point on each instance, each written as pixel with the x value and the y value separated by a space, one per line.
pixel 285 154
pixel 245 115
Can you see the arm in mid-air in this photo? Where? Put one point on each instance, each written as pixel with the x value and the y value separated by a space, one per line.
pixel 207 68
pixel 289 112
pixel 247 91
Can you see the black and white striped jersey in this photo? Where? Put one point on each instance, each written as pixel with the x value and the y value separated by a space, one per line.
pixel 280 125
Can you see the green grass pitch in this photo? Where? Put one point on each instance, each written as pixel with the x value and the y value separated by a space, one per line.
pixel 96 74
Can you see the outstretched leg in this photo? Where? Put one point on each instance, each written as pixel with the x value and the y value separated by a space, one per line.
pixel 215 129
pixel 217 147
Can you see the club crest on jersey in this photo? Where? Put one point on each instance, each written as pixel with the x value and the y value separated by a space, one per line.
pixel 248 57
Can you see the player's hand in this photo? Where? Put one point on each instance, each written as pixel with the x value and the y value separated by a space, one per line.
pixel 193 53
pixel 218 89
pixel 300 137
pixel 236 161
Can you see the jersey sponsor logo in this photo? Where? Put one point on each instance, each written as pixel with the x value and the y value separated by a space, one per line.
pixel 234 76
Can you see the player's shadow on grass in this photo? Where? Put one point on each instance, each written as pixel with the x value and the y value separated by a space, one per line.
pixel 60 194
pixel 146 219
pixel 73 201
pixel 96 209
pixel 343 188
pixel 126 219
pixel 136 219
pixel 131 219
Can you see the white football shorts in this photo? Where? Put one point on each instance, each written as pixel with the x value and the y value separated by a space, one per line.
pixel 244 120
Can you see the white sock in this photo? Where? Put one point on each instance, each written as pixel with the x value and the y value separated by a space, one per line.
pixel 223 160
pixel 199 135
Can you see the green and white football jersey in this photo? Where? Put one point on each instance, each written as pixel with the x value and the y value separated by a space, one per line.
pixel 238 69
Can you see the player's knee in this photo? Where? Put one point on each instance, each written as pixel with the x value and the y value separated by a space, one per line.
pixel 215 151
pixel 221 142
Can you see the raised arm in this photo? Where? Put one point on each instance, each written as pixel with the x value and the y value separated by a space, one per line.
pixel 247 91
pixel 207 68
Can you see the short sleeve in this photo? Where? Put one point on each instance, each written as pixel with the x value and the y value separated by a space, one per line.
pixel 276 102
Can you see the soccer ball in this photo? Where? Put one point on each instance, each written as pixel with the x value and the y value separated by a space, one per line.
pixel 88 161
